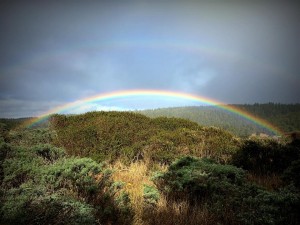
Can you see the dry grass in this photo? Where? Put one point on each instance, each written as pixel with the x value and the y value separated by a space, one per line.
pixel 135 176
pixel 170 212
pixel 165 212
pixel 270 182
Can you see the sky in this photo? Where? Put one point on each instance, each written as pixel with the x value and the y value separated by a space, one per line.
pixel 56 52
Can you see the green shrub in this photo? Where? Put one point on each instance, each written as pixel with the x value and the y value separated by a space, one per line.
pixel 292 174
pixel 33 204
pixel 31 137
pixel 3 131
pixel 265 156
pixel 49 152
pixel 160 149
pixel 226 192
pixel 151 194
pixel 5 149
pixel 101 135
pixel 42 186
pixel 21 165
pixel 198 178
pixel 269 208
pixel 30 197
pixel 76 174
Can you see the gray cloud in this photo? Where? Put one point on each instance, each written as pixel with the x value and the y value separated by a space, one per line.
pixel 53 53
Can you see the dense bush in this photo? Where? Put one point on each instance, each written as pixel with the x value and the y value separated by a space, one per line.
pixel 4 150
pixel 3 131
pixel 172 124
pixel 265 156
pixel 198 178
pixel 101 135
pixel 33 204
pixel 292 174
pixel 42 186
pixel 150 194
pixel 130 136
pixel 30 137
pixel 224 189
pixel 48 152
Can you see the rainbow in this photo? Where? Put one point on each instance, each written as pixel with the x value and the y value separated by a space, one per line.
pixel 157 93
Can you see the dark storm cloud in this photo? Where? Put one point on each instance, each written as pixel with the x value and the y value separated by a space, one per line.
pixel 238 52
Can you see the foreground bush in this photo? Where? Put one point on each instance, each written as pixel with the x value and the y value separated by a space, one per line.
pixel 292 174
pixel 266 156
pixel 32 204
pixel 198 178
pixel 227 194
pixel 42 186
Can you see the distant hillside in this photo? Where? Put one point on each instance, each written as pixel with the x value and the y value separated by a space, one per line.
pixel 10 123
pixel 284 116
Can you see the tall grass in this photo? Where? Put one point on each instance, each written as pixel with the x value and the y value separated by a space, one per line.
pixel 135 176
pixel 270 182
pixel 170 211
pixel 165 211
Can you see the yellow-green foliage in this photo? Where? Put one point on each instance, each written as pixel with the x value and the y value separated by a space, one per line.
pixel 131 136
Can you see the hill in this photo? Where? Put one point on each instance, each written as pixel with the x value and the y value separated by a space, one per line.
pixel 131 136
pixel 125 168
pixel 284 116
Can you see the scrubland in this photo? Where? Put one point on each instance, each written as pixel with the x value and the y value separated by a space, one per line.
pixel 125 168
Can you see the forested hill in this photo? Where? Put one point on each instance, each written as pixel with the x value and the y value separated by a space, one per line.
pixel 284 116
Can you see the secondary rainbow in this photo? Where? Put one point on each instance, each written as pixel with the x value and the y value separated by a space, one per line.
pixel 158 93
pixel 180 45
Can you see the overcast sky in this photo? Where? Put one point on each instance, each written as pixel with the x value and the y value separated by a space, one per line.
pixel 53 53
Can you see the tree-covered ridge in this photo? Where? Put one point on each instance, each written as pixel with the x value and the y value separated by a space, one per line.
pixel 284 116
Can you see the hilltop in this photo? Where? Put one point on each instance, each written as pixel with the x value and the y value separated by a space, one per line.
pixel 131 136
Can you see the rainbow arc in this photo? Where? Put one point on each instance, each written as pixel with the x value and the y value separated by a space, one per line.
pixel 158 93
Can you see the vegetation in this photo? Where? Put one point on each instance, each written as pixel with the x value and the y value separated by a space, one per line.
pixel 284 116
pixel 126 168
pixel 225 191
pixel 266 156
pixel 40 185
pixel 128 137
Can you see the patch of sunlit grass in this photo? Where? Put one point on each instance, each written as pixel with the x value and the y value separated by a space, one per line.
pixel 165 211
pixel 134 176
